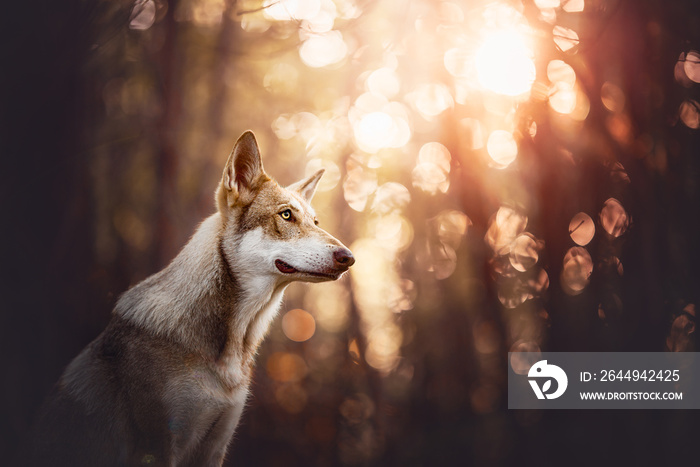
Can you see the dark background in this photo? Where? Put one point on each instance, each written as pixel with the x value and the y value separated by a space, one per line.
pixel 75 173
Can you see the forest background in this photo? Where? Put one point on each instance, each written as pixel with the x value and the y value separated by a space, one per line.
pixel 510 175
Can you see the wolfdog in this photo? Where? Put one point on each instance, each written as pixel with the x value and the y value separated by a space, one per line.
pixel 167 380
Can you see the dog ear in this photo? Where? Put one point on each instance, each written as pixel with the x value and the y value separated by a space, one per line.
pixel 243 170
pixel 307 187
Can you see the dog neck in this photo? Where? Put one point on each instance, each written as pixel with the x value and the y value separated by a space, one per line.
pixel 201 301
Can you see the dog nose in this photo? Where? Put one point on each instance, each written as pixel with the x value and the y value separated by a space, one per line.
pixel 343 257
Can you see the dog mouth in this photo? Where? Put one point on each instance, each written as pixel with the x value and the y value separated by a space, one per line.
pixel 286 268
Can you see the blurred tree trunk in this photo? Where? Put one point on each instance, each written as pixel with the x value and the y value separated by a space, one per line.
pixel 168 64
pixel 223 63
pixel 48 311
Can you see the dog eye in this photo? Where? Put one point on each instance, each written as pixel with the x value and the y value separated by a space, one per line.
pixel 315 221
pixel 286 214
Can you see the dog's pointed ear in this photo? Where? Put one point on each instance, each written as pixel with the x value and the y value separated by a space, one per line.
pixel 244 166
pixel 307 187
pixel 243 170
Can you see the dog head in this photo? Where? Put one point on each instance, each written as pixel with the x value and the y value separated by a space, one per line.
pixel 270 230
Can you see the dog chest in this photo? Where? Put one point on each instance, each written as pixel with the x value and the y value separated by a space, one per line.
pixel 201 408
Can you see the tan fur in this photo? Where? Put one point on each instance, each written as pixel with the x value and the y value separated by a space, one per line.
pixel 166 382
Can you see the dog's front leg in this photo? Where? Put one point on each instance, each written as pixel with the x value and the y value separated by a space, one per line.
pixel 212 448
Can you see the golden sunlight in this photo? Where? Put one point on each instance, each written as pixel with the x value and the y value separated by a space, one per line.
pixel 504 63
pixel 378 123
pixel 288 10
pixel 374 131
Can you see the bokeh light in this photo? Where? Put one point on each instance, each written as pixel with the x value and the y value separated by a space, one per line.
pixel 329 302
pixel 581 229
pixel 573 6
pixel 359 184
pixel 298 325
pixel 394 230
pixel 559 71
pixel 690 114
pixel 524 252
pixel 565 38
pixel 379 123
pixel 457 62
pixel 502 148
pixel 143 15
pixel 436 154
pixel 504 63
pixel 291 397
pixel 390 197
pixel 325 49
pixel 547 4
pixel 286 367
pixel 205 13
pixel 324 20
pixel 680 336
pixel 431 99
pixel 679 72
pixel 374 131
pixel 612 96
pixel 576 271
pixel 373 280
pixel 441 260
pixel 331 174
pixel 691 66
pixel 384 81
pixel 513 293
pixel 383 347
pixel 504 227
pixel 451 227
pixel 429 178
pixel 287 10
pixel 613 218
pixel 563 99
pixel 524 355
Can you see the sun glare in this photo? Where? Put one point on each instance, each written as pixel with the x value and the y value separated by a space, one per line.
pixel 504 63
pixel 285 10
